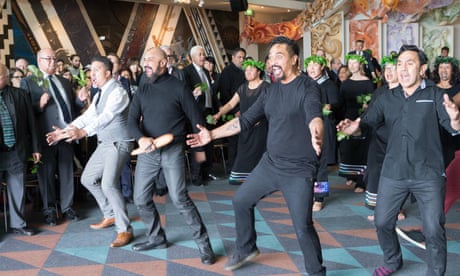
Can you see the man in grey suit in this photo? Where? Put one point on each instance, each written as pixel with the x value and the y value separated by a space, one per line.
pixel 55 104
pixel 17 140
pixel 107 117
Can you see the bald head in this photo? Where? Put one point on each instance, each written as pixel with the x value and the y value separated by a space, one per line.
pixel 4 76
pixel 155 61
pixel 46 60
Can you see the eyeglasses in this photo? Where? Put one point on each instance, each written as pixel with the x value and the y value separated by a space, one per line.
pixel 48 59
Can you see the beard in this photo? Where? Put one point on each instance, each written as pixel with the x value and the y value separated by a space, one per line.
pixel 152 77
pixel 278 73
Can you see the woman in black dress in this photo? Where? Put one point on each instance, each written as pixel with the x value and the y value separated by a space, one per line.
pixel 251 143
pixel 353 150
pixel 315 67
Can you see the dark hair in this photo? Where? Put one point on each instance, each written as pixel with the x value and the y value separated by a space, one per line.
pixel 211 60
pixel 445 48
pixel 455 76
pixel 421 55
pixel 74 55
pixel 292 47
pixel 105 60
pixel 236 50
pixel 359 41
pixel 132 60
pixel 14 70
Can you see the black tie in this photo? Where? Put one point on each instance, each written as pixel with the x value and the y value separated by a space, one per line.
pixel 98 93
pixel 57 94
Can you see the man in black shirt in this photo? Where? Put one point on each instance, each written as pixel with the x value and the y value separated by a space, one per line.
pixel 292 107
pixel 161 105
pixel 414 112
pixel 231 78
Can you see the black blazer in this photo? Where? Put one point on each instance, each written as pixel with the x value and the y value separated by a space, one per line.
pixel 192 79
pixel 20 108
pixel 48 117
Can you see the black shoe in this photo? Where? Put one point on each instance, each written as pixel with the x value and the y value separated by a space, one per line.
pixel 129 200
pixel 50 218
pixel 148 245
pixel 196 182
pixel 26 231
pixel 70 214
pixel 207 255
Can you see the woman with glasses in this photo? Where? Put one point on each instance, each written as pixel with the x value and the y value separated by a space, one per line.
pixel 16 76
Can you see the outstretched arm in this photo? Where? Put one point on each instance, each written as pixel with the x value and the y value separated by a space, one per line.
pixel 205 136
pixel 227 107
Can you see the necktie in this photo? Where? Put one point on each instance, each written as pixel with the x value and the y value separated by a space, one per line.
pixel 207 92
pixel 98 93
pixel 61 102
pixel 7 125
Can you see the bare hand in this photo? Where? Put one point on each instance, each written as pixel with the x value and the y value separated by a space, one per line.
pixel 317 141
pixel 57 135
pixel 83 94
pixel 348 126
pixel 44 99
pixel 36 156
pixel 216 117
pixel 199 139
pixel 451 108
pixel 146 144
pixel 197 92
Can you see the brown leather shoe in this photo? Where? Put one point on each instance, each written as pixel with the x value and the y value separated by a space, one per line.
pixel 105 222
pixel 122 239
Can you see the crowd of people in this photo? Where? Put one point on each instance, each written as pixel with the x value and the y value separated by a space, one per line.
pixel 285 127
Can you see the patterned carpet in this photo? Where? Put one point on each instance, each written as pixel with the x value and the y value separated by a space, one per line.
pixel 348 240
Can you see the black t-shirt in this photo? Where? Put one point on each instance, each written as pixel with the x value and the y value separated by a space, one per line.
pixel 289 108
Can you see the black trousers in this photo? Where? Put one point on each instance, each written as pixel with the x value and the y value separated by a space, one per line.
pixel 298 193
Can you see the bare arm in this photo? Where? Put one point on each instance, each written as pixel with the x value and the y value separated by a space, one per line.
pixel 205 136
pixel 227 107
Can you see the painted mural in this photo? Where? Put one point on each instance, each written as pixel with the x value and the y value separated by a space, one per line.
pixel 328 36
pixel 398 34
pixel 367 30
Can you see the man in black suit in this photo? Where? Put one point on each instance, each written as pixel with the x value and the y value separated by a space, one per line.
pixel 172 69
pixel 55 104
pixel 230 80
pixel 359 50
pixel 197 80
pixel 18 140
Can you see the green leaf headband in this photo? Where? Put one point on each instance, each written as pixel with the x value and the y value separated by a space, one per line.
pixel 451 60
pixel 359 58
pixel 316 59
pixel 389 60
pixel 254 63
